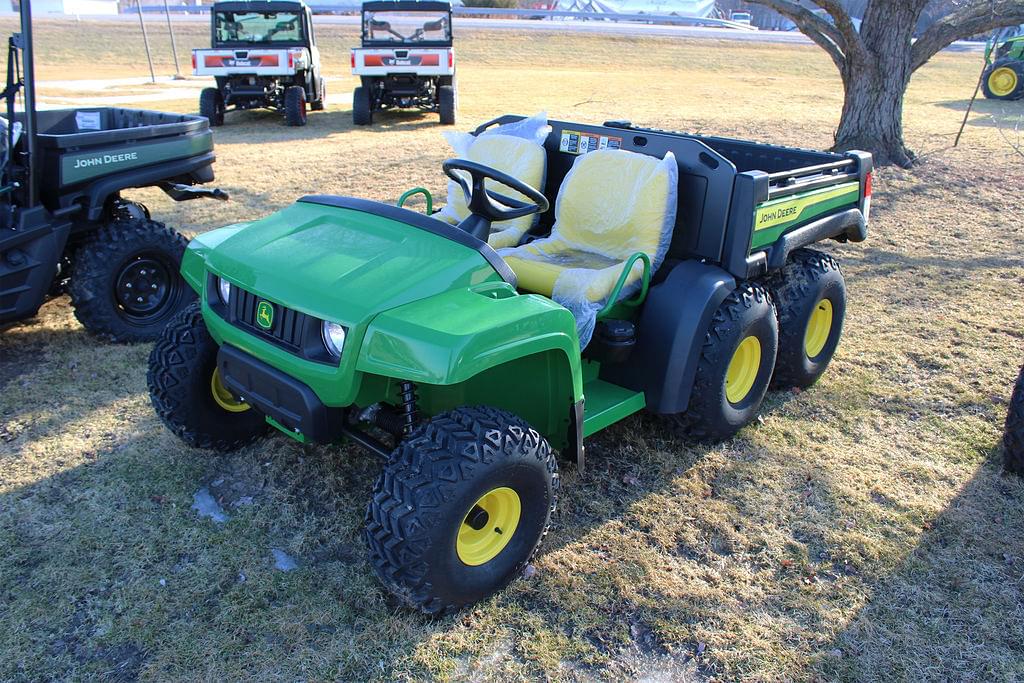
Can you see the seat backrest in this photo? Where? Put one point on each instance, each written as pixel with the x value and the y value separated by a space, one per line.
pixel 519 158
pixel 616 203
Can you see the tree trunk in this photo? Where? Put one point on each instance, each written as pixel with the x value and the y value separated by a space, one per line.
pixel 875 81
pixel 872 117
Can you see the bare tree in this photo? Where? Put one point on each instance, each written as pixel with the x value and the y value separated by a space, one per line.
pixel 876 63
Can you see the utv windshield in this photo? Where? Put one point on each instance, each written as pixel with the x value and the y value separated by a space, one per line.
pixel 407 27
pixel 244 28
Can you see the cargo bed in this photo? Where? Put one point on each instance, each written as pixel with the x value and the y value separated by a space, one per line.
pixel 95 152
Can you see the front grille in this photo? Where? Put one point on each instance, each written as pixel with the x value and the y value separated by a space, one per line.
pixel 287 327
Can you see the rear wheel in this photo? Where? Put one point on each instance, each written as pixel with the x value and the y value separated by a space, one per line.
pixel 1004 80
pixel 447 104
pixel 460 508
pixel 187 393
pixel 362 112
pixel 1013 438
pixel 211 105
pixel 295 105
pixel 810 294
pixel 321 97
pixel 735 366
pixel 125 282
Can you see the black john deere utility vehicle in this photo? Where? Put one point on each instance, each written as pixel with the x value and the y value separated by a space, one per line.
pixel 406 60
pixel 685 256
pixel 64 225
pixel 264 55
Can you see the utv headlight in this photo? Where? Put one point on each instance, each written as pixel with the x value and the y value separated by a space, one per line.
pixel 334 337
pixel 224 290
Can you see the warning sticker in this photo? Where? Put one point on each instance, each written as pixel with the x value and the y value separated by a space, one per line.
pixel 575 142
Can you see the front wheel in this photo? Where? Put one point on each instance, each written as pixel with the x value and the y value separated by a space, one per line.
pixel 295 105
pixel 362 110
pixel 735 366
pixel 447 104
pixel 1013 438
pixel 125 282
pixel 187 393
pixel 460 508
pixel 321 97
pixel 211 105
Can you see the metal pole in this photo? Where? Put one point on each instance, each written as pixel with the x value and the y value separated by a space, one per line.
pixel 145 39
pixel 174 45
pixel 32 191
pixel 970 105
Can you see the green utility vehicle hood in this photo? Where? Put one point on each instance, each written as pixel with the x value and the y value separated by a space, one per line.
pixel 343 259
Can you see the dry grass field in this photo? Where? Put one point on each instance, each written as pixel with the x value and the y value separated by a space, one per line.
pixel 862 530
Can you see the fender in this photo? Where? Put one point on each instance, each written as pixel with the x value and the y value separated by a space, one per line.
pixel 674 321
pixel 450 338
pixel 193 262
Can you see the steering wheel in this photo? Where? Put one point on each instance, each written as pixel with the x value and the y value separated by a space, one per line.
pixel 487 206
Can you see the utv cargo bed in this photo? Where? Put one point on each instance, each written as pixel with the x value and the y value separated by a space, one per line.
pixel 95 152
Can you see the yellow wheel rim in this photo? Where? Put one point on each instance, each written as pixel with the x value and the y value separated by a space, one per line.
pixel 818 328
pixel 743 367
pixel 223 397
pixel 1002 81
pixel 488 526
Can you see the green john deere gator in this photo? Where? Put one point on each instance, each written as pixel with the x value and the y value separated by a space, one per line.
pixel 671 275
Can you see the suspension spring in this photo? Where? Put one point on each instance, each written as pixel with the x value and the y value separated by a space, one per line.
pixel 407 392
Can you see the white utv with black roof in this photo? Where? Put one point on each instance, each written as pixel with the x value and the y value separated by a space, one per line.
pixel 406 60
pixel 263 55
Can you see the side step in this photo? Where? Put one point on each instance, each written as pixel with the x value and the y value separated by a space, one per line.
pixel 606 403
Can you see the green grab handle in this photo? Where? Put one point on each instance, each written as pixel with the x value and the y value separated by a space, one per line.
pixel 415 191
pixel 626 270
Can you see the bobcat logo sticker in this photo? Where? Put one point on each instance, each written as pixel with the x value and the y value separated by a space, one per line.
pixel 265 315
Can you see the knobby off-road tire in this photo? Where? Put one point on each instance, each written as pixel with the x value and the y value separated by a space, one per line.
pixel 747 313
pixel 362 112
pixel 181 385
pixel 321 101
pixel 1007 68
pixel 810 296
pixel 211 105
pixel 428 494
pixel 295 105
pixel 447 103
pixel 121 263
pixel 1013 437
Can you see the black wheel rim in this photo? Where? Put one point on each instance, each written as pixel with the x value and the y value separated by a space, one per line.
pixel 145 289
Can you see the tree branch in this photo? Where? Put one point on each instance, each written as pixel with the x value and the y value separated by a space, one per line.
pixel 844 24
pixel 814 27
pixel 976 17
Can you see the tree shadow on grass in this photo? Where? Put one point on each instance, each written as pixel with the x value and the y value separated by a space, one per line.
pixel 954 607
pixel 989 113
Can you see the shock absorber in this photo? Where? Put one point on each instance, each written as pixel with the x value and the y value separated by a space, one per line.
pixel 407 392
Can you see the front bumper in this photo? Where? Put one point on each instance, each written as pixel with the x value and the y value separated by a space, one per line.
pixel 290 403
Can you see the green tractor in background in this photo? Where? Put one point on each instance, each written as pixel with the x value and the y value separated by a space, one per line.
pixel 1004 77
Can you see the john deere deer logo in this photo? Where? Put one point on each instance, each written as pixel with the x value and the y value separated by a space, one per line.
pixel 265 315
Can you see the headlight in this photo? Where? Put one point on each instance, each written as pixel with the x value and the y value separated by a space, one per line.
pixel 334 337
pixel 224 290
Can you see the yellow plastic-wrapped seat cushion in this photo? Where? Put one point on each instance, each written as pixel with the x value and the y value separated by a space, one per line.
pixel 522 159
pixel 611 205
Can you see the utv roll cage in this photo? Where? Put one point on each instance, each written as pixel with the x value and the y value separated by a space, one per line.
pixel 301 9
pixel 405 6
